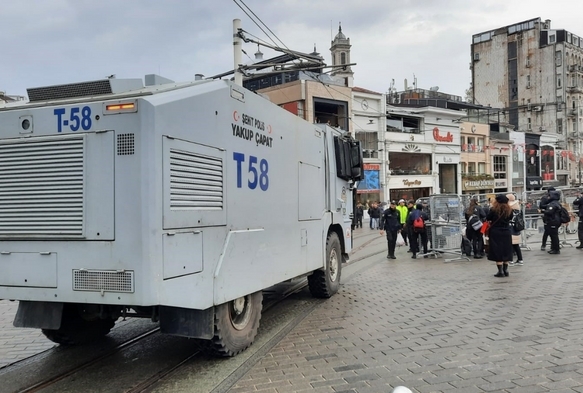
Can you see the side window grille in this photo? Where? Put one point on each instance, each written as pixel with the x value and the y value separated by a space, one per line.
pixel 125 144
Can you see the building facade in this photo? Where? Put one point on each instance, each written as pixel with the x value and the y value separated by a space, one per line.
pixel 534 73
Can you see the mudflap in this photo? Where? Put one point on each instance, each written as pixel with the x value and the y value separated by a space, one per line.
pixel 40 315
pixel 186 322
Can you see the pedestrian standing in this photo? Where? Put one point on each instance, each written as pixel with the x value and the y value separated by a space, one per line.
pixel 543 204
pixel 375 214
pixel 500 238
pixel 474 217
pixel 403 213
pixel 359 214
pixel 552 219
pixel 418 232
pixel 391 224
pixel 579 204
pixel 516 222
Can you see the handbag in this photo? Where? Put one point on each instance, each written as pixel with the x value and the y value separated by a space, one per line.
pixel 485 229
pixel 476 224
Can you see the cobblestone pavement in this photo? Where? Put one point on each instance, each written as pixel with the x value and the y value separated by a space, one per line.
pixel 438 327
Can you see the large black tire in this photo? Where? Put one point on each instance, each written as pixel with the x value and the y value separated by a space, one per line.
pixel 325 282
pixel 236 324
pixel 76 330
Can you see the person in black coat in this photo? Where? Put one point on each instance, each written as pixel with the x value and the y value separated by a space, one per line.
pixel 475 213
pixel 578 203
pixel 542 205
pixel 391 224
pixel 500 238
pixel 552 219
pixel 417 233
pixel 359 214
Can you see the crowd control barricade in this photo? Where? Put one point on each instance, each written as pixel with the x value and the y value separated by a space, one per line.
pixel 446 213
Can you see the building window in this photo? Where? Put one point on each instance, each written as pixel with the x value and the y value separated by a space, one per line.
pixel 481 168
pixel 558 58
pixel 342 58
pixel 409 163
pixel 559 126
pixel 369 143
pixel 552 39
pixel 559 81
pixel 528 81
pixel 528 124
pixel 500 167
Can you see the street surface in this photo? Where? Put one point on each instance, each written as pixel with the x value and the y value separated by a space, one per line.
pixel 426 324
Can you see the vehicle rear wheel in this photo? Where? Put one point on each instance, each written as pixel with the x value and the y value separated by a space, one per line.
pixel 236 324
pixel 325 282
pixel 77 330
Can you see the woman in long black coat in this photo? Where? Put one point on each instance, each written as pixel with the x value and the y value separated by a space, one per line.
pixel 500 238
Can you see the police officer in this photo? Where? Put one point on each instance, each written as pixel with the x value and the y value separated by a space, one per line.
pixel 552 220
pixel 578 203
pixel 391 223
pixel 543 204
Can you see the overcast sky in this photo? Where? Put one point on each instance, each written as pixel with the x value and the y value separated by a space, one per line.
pixel 63 41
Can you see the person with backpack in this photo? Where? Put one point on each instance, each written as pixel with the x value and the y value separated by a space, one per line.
pixel 475 216
pixel 552 219
pixel 416 223
pixel 516 227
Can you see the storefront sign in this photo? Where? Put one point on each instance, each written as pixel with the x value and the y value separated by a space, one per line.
pixel 371 167
pixel 410 183
pixel 447 159
pixel 442 138
pixel 500 183
pixel 534 181
pixel 477 184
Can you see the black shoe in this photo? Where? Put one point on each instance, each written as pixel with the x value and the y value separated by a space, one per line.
pixel 477 257
pixel 393 257
pixel 542 248
pixel 388 257
pixel 579 247
pixel 414 256
pixel 499 274
pixel 506 274
pixel 425 256
pixel 554 252
pixel 409 250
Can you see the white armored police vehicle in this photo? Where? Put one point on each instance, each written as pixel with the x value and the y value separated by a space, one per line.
pixel 175 202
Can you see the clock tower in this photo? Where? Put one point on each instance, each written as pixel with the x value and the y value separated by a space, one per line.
pixel 341 55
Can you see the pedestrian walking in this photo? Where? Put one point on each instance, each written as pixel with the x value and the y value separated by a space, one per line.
pixel 391 224
pixel 516 227
pixel 578 202
pixel 500 238
pixel 416 221
pixel 552 219
pixel 475 216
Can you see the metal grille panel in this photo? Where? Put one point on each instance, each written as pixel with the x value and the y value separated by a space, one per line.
pixel 72 90
pixel 42 187
pixel 103 281
pixel 125 144
pixel 196 181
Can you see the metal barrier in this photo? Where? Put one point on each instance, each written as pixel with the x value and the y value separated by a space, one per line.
pixel 447 216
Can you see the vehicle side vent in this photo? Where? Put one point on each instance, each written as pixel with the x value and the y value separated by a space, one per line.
pixel 103 280
pixel 71 90
pixel 125 144
pixel 196 181
pixel 42 183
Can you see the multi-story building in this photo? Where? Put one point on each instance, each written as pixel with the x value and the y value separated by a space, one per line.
pixel 535 74
pixel 476 164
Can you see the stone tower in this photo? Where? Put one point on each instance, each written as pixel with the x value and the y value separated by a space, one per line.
pixel 340 50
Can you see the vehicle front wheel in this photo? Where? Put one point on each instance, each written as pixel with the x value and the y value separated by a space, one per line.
pixel 236 324
pixel 325 282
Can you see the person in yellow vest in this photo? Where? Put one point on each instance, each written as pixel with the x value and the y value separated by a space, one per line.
pixel 403 213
